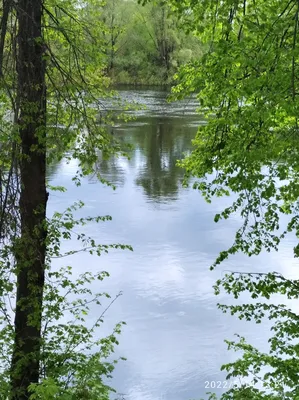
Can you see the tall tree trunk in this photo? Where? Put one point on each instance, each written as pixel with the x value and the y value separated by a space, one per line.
pixel 30 249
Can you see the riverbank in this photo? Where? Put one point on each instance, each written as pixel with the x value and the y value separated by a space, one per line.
pixel 124 79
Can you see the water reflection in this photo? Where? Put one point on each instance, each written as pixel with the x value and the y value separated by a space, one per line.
pixel 158 142
pixel 111 170
pixel 161 143
pixel 174 335
pixel 160 135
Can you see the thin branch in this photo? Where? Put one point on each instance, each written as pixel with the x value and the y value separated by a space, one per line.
pixel 293 58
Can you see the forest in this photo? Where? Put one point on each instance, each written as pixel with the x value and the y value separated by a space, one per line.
pixel 66 132
pixel 144 44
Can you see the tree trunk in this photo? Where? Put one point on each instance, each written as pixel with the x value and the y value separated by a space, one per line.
pixel 30 248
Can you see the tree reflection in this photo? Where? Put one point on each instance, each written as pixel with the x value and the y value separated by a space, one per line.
pixel 158 143
pixel 110 170
pixel 162 142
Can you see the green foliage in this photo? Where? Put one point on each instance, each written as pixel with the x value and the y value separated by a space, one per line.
pixel 144 45
pixel 247 86
pixel 76 84
pixel 75 358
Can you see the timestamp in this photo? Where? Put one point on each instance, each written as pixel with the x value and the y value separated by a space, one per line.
pixel 224 384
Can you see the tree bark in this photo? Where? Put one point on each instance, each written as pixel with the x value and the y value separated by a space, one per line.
pixel 30 248
pixel 3 28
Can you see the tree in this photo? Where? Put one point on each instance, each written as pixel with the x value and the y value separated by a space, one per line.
pixel 166 36
pixel 143 45
pixel 30 249
pixel 247 86
pixel 51 88
pixel 115 18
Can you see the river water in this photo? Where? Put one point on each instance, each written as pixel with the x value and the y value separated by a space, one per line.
pixel 174 337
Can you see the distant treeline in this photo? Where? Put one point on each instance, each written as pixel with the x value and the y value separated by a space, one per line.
pixel 143 44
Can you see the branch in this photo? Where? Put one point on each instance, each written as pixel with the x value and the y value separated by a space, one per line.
pixel 293 58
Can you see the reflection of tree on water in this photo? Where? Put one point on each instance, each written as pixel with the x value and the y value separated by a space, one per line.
pixel 162 143
pixel 53 168
pixel 158 142
pixel 109 170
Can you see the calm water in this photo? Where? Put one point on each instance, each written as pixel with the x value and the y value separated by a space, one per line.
pixel 174 336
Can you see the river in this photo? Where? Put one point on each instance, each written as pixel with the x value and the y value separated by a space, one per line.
pixel 174 337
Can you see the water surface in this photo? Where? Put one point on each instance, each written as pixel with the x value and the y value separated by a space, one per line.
pixel 174 338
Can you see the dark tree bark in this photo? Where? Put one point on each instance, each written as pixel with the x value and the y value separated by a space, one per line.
pixel 30 248
pixel 6 4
